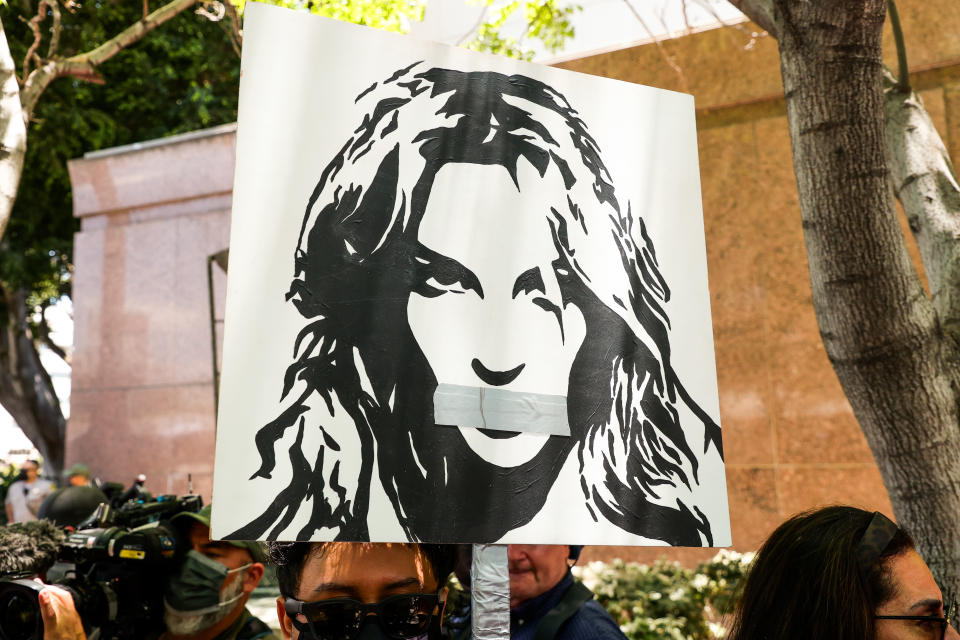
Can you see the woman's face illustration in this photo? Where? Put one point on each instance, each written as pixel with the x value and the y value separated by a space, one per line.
pixel 487 310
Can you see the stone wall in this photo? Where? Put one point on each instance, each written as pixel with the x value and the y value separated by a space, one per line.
pixel 142 396
pixel 142 381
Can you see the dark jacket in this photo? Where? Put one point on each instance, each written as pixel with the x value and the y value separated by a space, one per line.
pixel 590 622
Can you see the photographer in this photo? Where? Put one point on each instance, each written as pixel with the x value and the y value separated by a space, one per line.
pixel 205 596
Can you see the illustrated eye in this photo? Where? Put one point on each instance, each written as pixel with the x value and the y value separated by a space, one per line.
pixel 432 288
pixel 550 307
pixel 438 275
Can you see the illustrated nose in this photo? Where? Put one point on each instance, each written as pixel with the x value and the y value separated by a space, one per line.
pixel 495 378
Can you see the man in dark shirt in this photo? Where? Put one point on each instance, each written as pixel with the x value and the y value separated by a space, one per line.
pixel 546 602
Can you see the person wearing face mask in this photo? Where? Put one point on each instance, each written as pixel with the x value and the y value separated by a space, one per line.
pixel 205 595
pixel 361 591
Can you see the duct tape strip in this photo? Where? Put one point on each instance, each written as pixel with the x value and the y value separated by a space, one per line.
pixel 501 410
pixel 490 592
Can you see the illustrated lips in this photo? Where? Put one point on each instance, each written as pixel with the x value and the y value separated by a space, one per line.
pixel 495 378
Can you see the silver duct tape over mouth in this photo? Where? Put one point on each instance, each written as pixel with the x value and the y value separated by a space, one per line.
pixel 486 408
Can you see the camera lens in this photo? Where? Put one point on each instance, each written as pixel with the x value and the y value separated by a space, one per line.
pixel 19 613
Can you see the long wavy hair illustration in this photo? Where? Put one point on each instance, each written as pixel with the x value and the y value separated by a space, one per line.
pixel 357 261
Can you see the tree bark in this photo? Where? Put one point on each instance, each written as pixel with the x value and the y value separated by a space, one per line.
pixel 927 187
pixel 884 337
pixel 26 390
pixel 13 133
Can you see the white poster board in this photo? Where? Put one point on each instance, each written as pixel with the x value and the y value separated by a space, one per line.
pixel 467 301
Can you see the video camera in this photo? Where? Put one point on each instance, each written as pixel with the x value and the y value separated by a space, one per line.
pixel 114 565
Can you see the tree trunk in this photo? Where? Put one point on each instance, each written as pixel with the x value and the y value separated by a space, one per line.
pixel 13 133
pixel 26 390
pixel 882 333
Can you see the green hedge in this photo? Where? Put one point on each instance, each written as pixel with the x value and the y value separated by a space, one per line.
pixel 666 600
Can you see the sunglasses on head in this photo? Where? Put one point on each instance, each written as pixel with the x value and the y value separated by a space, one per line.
pixel 402 616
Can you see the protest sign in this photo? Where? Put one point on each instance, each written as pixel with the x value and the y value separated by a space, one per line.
pixel 467 301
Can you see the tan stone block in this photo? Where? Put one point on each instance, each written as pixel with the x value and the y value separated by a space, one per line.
pixel 743 380
pixel 709 64
pixel 197 238
pixel 733 250
pixel 754 505
pixel 753 514
pixel 813 420
pixel 179 168
pixel 930 32
pixel 810 487
pixel 163 432
pixel 88 311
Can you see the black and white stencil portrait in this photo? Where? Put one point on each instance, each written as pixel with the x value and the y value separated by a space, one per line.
pixel 467 301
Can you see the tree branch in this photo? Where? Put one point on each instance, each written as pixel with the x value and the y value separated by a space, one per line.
pixel 925 183
pixel 233 29
pixel 762 12
pixel 34 24
pixel 903 70
pixel 55 29
pixel 43 334
pixel 669 59
pixel 473 29
pixel 83 64
pixel 686 18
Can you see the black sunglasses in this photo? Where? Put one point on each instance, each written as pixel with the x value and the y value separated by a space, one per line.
pixel 943 621
pixel 402 616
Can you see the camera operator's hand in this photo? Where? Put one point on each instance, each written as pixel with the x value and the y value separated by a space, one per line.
pixel 60 618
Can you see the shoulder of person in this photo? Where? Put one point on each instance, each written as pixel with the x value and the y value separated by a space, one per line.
pixel 11 494
pixel 592 621
pixel 254 628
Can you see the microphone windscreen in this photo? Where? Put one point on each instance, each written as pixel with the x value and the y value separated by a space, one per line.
pixel 29 547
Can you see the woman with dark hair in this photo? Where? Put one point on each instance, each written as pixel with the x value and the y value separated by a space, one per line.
pixel 841 573
pixel 403 295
